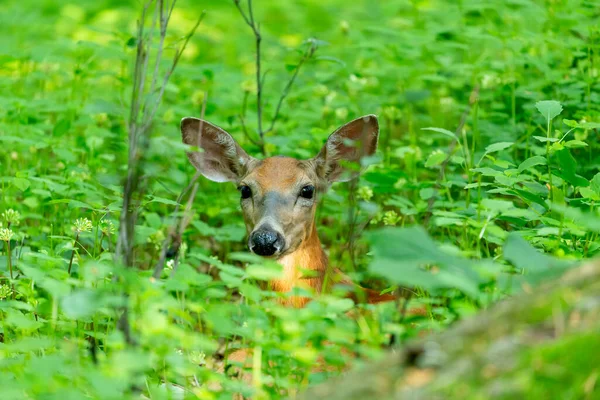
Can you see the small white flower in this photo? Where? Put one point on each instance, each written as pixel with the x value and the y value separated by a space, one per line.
pixel 390 218
pixel 197 357
pixel 365 193
pixel 5 292
pixel 107 227
pixel 11 217
pixel 82 225
pixel 6 234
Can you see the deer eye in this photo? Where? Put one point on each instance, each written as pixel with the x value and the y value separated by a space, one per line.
pixel 245 191
pixel 307 191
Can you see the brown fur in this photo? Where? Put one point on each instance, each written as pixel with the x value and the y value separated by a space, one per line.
pixel 277 173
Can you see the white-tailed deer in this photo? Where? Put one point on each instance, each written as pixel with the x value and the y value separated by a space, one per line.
pixel 279 196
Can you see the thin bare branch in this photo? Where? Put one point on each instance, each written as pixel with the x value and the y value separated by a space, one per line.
pixel 286 90
pixel 246 133
pixel 239 7
pixel 163 34
pixel 168 74
pixel 249 19
pixel 142 111
pixel 260 77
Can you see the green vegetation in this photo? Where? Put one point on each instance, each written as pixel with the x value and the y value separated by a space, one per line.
pixel 517 349
pixel 485 184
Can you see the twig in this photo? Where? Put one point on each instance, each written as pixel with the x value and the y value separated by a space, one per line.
pixel 463 119
pixel 260 78
pixel 242 119
pixel 178 54
pixel 245 132
pixel 306 56
pixel 249 19
pixel 139 131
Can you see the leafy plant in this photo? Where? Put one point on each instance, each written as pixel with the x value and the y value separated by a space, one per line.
pixel 486 182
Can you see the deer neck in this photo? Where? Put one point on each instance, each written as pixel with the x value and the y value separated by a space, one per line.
pixel 309 257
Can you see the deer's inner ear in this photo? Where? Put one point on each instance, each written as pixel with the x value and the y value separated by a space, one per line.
pixel 349 143
pixel 222 159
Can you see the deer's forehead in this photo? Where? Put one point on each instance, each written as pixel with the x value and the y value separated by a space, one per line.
pixel 280 173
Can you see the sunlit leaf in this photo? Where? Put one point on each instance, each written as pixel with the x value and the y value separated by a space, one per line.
pixel 549 108
pixel 80 304
pixel 442 131
pixel 531 162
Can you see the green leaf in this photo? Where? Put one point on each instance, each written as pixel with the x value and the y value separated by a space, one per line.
pixel 568 167
pixel 80 304
pixel 401 255
pixel 338 306
pixel 531 162
pixel 426 193
pixel 590 125
pixel 417 246
pixel 447 221
pixel 21 321
pixel 588 193
pixel 435 159
pixel 331 59
pixel 595 183
pixel 524 194
pixel 162 200
pixel 442 131
pixel 264 272
pixel 523 256
pixel 544 139
pixel 29 344
pixel 20 183
pixel 573 144
pixel 549 109
pixel 497 205
pixel 492 148
pixel 486 171
pixel 61 127
pixel 536 266
pixel 571 123
pixel 590 221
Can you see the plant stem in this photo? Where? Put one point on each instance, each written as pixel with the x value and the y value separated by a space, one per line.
pixel 249 19
pixel 73 253
pixel 8 254
pixel 548 158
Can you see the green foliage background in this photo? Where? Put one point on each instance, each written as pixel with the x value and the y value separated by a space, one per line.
pixel 522 180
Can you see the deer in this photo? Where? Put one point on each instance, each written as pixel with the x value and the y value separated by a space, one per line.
pixel 279 196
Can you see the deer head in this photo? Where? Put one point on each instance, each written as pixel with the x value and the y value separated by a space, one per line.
pixel 278 194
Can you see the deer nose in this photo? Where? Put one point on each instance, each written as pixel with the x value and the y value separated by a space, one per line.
pixel 266 242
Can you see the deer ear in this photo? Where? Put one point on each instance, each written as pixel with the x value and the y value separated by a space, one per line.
pixel 222 159
pixel 348 143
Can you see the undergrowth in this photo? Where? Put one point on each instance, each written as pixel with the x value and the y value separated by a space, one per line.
pixel 486 182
